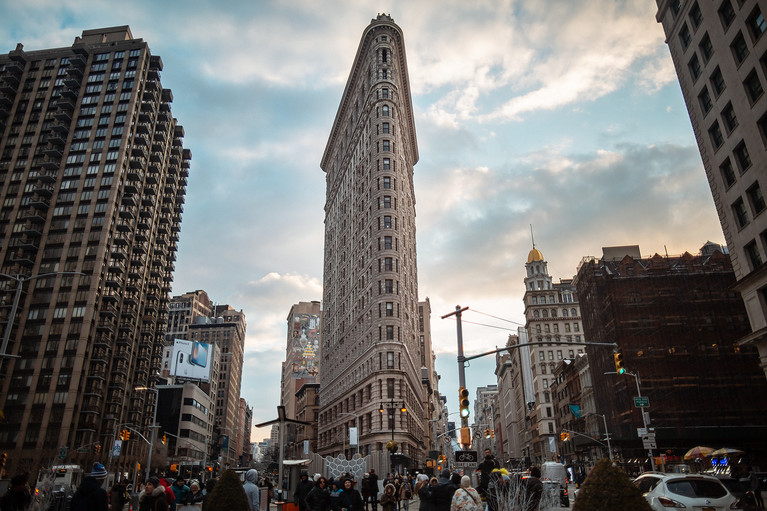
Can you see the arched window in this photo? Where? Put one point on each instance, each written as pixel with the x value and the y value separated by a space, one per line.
pixel 385 110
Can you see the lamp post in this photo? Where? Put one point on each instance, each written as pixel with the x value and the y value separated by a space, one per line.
pixel 392 445
pixel 154 426
pixel 20 281
pixel 607 434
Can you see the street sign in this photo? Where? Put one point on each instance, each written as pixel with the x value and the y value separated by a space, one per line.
pixel 83 449
pixel 641 431
pixel 648 441
pixel 642 402
pixel 116 448
pixel 433 455
pixel 62 452
pixel 465 459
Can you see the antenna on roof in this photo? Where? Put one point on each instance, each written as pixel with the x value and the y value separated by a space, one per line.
pixel 532 237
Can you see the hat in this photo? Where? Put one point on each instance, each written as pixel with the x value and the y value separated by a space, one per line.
pixel 153 481
pixel 98 471
pixel 194 482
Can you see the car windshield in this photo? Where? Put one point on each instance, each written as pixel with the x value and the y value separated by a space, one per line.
pixel 697 488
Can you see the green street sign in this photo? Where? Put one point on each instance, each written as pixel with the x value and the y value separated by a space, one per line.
pixel 642 402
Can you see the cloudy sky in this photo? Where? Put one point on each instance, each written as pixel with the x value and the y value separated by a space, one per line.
pixel 561 114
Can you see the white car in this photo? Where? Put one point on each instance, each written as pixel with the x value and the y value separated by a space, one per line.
pixel 691 491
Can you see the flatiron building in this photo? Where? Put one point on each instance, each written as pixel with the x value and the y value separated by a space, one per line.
pixel 370 367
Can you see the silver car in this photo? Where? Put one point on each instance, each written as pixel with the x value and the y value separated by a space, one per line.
pixel 691 491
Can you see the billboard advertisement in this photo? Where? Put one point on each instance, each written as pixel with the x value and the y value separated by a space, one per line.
pixel 304 345
pixel 191 359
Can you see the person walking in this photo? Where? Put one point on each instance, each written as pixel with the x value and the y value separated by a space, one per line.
pixel 373 489
pixel 318 498
pixel 251 489
pixel 442 493
pixel 533 490
pixel 351 500
pixel 489 463
pixel 152 497
pixel 180 491
pixel 302 490
pixel 19 496
pixel 118 496
pixel 405 494
pixel 195 494
pixel 389 498
pixel 466 498
pixel 90 496
pixel 423 490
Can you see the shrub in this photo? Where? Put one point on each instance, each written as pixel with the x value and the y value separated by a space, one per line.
pixel 228 494
pixel 609 488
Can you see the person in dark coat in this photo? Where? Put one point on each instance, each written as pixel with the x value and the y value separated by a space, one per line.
pixel 18 497
pixel 486 468
pixel 389 498
pixel 373 489
pixel 302 490
pixel 423 490
pixel 118 496
pixel 533 490
pixel 318 498
pixel 442 493
pixel 152 497
pixel 90 496
pixel 351 500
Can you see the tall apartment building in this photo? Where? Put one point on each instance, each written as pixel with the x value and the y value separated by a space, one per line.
pixel 92 180
pixel 227 330
pixel 371 357
pixel 551 314
pixel 184 310
pixel 720 53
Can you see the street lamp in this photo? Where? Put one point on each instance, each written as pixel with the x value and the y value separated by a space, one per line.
pixel 154 427
pixel 20 281
pixel 607 433
pixel 392 445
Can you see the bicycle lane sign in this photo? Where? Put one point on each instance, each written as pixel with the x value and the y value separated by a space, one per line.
pixel 465 459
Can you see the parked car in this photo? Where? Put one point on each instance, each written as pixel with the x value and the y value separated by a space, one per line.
pixel 705 493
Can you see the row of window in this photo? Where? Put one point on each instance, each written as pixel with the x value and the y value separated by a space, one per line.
pixel 545 313
pixel 547 328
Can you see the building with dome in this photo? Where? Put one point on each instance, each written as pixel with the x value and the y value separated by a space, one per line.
pixel 552 315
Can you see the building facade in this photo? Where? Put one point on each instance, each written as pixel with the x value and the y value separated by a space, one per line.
pixel 552 316
pixel 371 361
pixel 227 330
pixel 677 321
pixel 302 353
pixel 718 51
pixel 184 310
pixel 92 182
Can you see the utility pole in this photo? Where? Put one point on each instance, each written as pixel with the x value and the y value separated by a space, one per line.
pixel 465 432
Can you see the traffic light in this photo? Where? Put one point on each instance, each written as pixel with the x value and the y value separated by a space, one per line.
pixel 564 436
pixel 164 439
pixel 466 437
pixel 173 468
pixel 487 433
pixel 618 356
pixel 97 448
pixel 3 459
pixel 463 402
